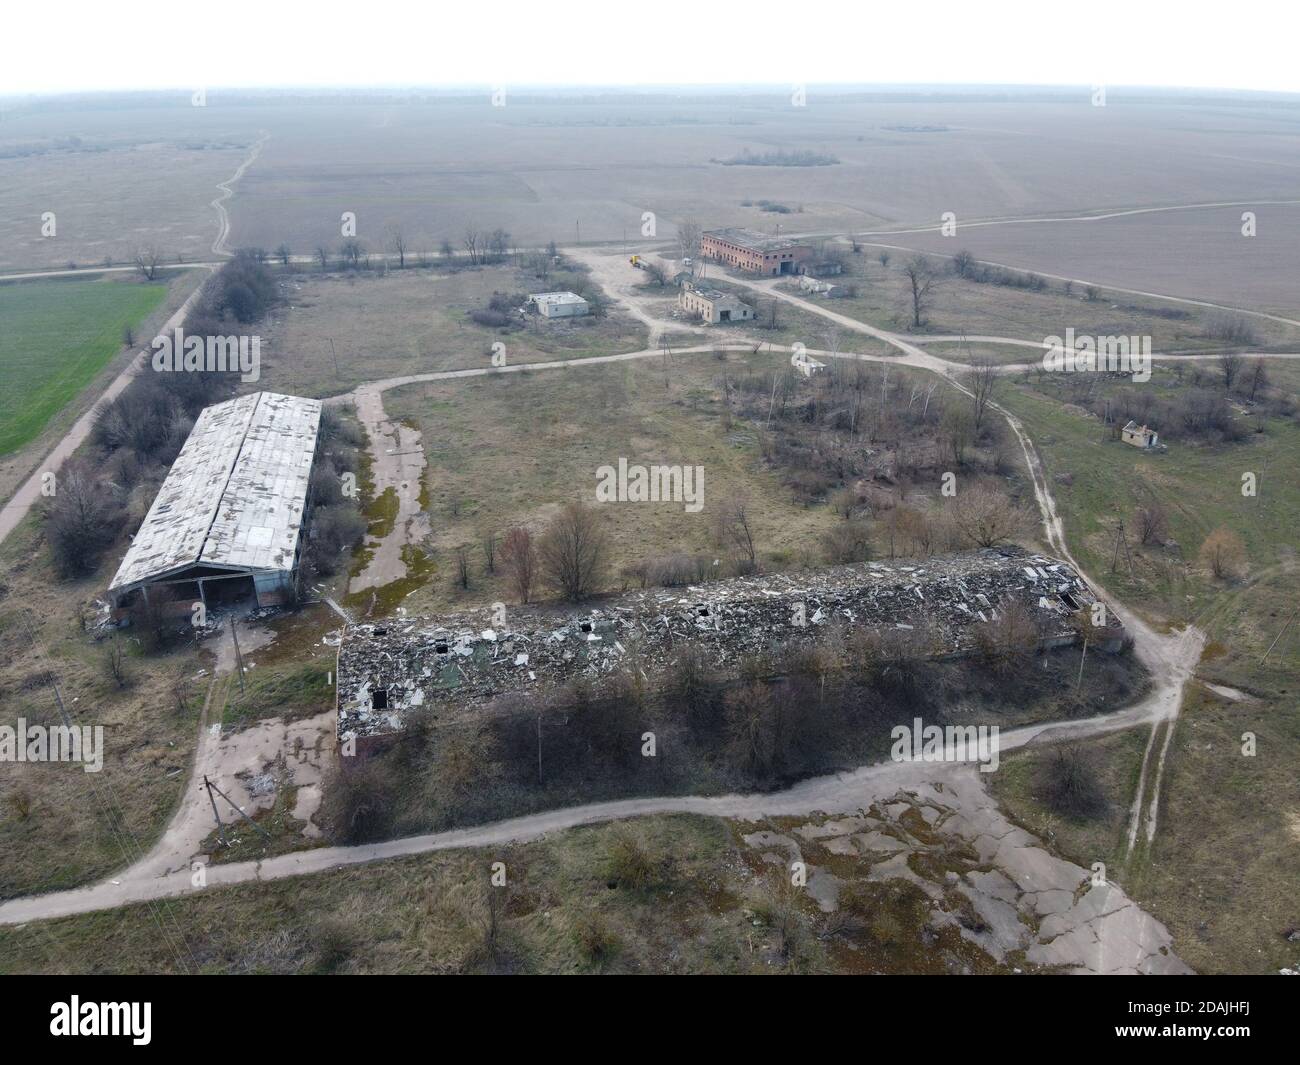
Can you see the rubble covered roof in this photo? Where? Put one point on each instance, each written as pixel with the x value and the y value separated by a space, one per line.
pixel 459 660
pixel 235 494
pixel 747 238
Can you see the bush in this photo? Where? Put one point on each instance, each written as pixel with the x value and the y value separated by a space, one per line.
pixel 1069 785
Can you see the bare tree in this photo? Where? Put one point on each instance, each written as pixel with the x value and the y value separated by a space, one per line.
pixel 81 520
pixel 1258 378
pixel 147 260
pixel 283 254
pixel 397 241
pixel 983 379
pixel 732 528
pixel 1230 365
pixel 1152 523
pixel 519 557
pixel 963 263
pixel 472 241
pixel 446 250
pixel 115 661
pixel 884 259
pixel 1223 553
pixel 462 566
pixel 573 552
pixel 498 244
pixel 490 551
pixel 352 252
pixel 921 281
pixel 985 516
pixel 323 257
pixel 689 232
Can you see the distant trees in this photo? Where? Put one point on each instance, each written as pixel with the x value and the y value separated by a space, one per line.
pixel 574 552
pixel 1230 327
pixel 283 254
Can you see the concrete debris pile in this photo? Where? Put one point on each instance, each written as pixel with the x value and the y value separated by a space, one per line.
pixel 387 669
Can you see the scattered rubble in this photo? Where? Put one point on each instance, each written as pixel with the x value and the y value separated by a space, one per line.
pixel 386 669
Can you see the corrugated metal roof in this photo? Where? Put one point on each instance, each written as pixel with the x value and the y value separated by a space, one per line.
pixel 235 495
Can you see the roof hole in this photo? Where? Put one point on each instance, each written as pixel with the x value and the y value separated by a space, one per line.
pixel 379 699
pixel 441 647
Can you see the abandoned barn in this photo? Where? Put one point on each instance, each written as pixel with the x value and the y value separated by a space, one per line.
pixel 388 669
pixel 227 522
pixel 712 306
pixel 753 252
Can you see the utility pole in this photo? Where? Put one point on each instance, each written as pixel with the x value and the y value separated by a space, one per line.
pixel 221 828
pixel 336 359
pixel 1121 538
pixel 211 788
pixel 1082 658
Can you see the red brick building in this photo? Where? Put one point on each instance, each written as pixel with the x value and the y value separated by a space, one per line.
pixel 753 252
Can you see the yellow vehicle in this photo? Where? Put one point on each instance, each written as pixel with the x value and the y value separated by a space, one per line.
pixel 636 261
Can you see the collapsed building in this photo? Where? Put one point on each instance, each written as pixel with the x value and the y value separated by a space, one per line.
pixel 227 522
pixel 388 669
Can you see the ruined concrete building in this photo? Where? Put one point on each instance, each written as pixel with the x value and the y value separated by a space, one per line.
pixel 454 662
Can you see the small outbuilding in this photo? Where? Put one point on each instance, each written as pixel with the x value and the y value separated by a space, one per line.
pixel 713 306
pixel 559 304
pixel 1139 436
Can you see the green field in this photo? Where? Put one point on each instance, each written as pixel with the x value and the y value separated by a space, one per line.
pixel 57 335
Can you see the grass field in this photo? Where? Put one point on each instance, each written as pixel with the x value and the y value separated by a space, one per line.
pixel 702 901
pixel 1223 869
pixel 410 322
pixel 57 335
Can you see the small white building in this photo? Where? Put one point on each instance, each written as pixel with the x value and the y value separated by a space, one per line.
pixel 806 364
pixel 810 284
pixel 1140 436
pixel 559 304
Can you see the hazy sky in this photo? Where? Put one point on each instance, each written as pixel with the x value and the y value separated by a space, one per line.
pixel 59 46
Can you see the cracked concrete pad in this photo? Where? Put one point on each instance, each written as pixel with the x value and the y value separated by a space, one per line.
pixel 878 843
pixel 994 883
pixel 1033 869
